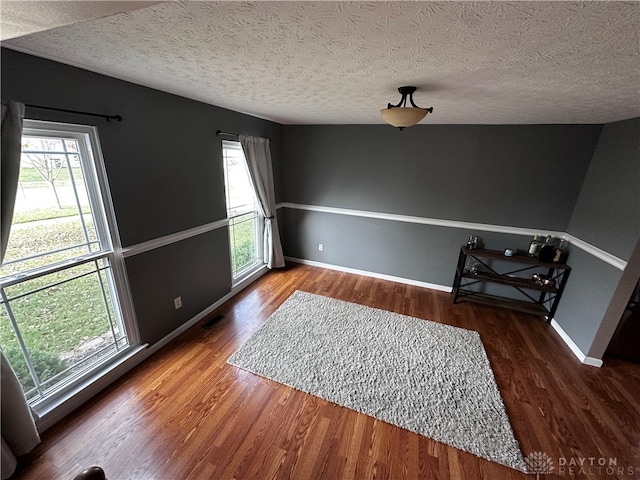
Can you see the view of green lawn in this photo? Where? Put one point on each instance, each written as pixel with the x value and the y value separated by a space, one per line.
pixel 61 311
pixel 243 252
pixel 30 178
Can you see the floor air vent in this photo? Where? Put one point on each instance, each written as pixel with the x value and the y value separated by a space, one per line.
pixel 211 323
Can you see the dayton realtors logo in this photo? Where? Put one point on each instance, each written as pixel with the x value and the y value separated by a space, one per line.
pixel 541 463
pixel 594 466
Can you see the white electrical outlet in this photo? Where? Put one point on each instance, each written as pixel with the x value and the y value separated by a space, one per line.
pixel 320 247
pixel 177 302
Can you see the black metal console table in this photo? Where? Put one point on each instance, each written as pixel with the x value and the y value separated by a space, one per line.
pixel 537 299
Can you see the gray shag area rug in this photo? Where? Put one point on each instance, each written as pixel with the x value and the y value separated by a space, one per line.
pixel 426 377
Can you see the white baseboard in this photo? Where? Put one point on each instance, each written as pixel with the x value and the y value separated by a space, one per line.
pixel 207 311
pixel 593 362
pixel 365 273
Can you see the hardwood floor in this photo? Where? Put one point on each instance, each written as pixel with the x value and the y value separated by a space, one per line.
pixel 186 414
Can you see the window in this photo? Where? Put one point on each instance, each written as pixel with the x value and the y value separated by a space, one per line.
pixel 243 212
pixel 61 316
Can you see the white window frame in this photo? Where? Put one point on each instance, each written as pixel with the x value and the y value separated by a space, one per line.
pixel 258 223
pixel 98 192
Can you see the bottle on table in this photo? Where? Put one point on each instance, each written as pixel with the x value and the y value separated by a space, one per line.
pixel 535 246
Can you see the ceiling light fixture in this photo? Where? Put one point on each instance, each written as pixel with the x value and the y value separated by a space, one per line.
pixel 402 116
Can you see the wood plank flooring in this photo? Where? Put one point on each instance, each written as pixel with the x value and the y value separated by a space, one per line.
pixel 186 414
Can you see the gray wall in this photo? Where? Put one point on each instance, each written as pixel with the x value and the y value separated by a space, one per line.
pixel 164 165
pixel 523 176
pixel 518 175
pixel 586 297
pixel 424 253
pixel 606 215
pixel 188 269
pixel 619 300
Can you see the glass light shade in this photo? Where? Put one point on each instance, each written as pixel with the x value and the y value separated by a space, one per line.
pixel 403 116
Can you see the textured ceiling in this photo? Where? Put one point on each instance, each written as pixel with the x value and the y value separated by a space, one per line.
pixel 340 62
pixel 21 17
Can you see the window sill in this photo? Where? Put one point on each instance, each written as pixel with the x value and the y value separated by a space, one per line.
pixel 249 277
pixel 51 410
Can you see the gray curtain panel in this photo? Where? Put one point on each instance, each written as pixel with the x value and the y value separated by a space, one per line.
pixel 258 155
pixel 12 116
pixel 19 433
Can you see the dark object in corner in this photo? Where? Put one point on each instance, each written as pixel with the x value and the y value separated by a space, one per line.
pixel 624 343
pixel 551 254
pixel 91 473
pixel 210 324
pixel 547 253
